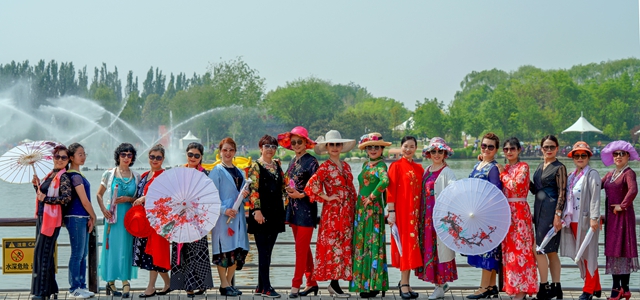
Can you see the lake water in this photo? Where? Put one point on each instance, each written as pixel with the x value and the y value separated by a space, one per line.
pixel 18 201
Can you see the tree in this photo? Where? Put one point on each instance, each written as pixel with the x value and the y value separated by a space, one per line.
pixel 429 118
pixel 235 82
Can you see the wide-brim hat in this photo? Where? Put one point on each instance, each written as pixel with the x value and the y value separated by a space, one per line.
pixel 436 143
pixel 372 139
pixel 607 153
pixel 580 146
pixel 333 136
pixel 136 222
pixel 284 139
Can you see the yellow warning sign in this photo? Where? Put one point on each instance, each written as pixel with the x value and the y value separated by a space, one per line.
pixel 17 255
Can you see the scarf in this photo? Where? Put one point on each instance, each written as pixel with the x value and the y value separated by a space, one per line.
pixel 198 167
pixel 52 216
pixel 568 206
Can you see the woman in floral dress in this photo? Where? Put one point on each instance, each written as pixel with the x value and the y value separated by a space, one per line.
pixel 405 177
pixel 489 262
pixel 518 260
pixel 332 185
pixel 369 246
pixel 439 264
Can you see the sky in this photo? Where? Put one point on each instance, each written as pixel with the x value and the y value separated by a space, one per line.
pixel 405 50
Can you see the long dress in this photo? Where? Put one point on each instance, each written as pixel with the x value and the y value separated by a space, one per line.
pixel 620 244
pixel 490 260
pixel 549 187
pixel 518 259
pixel 116 257
pixel 369 245
pixel 405 178
pixel 334 244
pixel 194 270
pixel 141 258
pixel 433 270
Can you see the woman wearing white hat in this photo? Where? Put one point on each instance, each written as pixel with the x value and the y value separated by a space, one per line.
pixel 332 185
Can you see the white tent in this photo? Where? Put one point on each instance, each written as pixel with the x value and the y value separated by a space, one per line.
pixel 582 126
pixel 188 139
pixel 408 124
pixel 637 132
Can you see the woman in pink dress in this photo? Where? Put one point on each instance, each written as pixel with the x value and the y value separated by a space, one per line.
pixel 518 260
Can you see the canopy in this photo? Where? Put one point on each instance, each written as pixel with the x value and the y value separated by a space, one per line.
pixel 408 124
pixel 188 139
pixel 582 126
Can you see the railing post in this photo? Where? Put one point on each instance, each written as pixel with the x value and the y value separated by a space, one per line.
pixel 93 261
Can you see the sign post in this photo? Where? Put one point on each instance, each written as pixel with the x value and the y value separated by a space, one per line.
pixel 17 255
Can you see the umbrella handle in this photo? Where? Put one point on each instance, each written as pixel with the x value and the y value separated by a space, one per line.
pixel 34 173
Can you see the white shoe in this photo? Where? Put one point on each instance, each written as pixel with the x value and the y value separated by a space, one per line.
pixel 438 293
pixel 79 293
pixel 90 293
pixel 445 287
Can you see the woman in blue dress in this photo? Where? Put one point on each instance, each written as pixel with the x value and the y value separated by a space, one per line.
pixel 489 262
pixel 116 257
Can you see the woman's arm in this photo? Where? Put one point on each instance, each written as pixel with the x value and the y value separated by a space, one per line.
pixel 64 192
pixel 593 184
pixel 632 192
pixel 561 181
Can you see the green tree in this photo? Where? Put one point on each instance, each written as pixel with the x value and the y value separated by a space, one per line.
pixel 429 118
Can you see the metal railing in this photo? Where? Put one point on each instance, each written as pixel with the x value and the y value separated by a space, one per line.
pixel 92 260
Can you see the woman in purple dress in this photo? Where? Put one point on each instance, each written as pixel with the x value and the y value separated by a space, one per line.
pixel 620 244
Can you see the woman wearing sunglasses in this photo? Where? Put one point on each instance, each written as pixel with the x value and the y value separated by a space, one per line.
pixel 518 260
pixel 438 261
pixel 193 274
pixel 141 258
pixel 489 262
pixel 54 191
pixel 116 257
pixel 549 188
pixel 403 200
pixel 266 214
pixel 620 244
pixel 229 239
pixel 370 274
pixel 332 185
pixel 582 214
pixel 301 213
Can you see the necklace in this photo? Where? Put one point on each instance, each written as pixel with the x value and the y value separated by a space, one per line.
pixel 482 164
pixel 226 166
pixel 615 176
pixel 125 181
pixel 433 168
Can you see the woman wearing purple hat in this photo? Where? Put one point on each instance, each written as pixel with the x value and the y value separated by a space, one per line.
pixel 620 245
pixel 301 213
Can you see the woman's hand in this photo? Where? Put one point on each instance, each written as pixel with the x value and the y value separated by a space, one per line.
pixel 140 201
pixel 40 196
pixel 595 224
pixel 245 193
pixel 332 198
pixel 557 223
pixel 500 167
pixel 123 199
pixel 391 219
pixel 106 213
pixel 91 223
pixel 368 200
pixel 257 215
pixel 616 208
pixel 231 213
pixel 35 180
pixel 294 194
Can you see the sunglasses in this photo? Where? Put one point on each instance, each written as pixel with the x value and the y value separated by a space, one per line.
pixel 508 149
pixel 488 147
pixel 549 148
pixel 156 157
pixel 580 156
pixel 376 147
pixel 619 154
pixel 123 155
pixel 60 157
pixel 269 146
pixel 334 144
pixel 436 151
pixel 191 154
pixel 296 142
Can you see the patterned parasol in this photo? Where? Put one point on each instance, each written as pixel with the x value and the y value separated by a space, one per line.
pixel 471 216
pixel 182 205
pixel 20 163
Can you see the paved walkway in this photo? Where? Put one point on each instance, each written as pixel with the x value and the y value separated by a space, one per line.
pixel 323 295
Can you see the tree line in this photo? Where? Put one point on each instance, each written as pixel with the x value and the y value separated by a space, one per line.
pixel 528 103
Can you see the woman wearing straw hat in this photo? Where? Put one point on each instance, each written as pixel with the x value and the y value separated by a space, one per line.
pixel 332 185
pixel 438 261
pixel 403 194
pixel 581 213
pixel 621 188
pixel 369 254
pixel 301 213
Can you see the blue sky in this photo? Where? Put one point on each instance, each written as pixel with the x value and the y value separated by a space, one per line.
pixel 406 50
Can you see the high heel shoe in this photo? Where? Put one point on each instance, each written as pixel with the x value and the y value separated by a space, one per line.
pixel 162 293
pixel 125 290
pixel 309 290
pixel 404 295
pixel 199 292
pixel 295 294
pixel 556 291
pixel 626 295
pixel 335 294
pixel 110 288
pixel 618 293
pixel 490 292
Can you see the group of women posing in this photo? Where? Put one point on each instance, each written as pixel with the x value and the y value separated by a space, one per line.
pixel 351 242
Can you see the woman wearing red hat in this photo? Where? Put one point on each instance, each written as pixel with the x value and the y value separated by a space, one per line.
pixel 141 258
pixel 301 213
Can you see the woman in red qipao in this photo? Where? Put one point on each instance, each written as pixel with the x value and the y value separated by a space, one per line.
pixel 332 184
pixel 403 192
